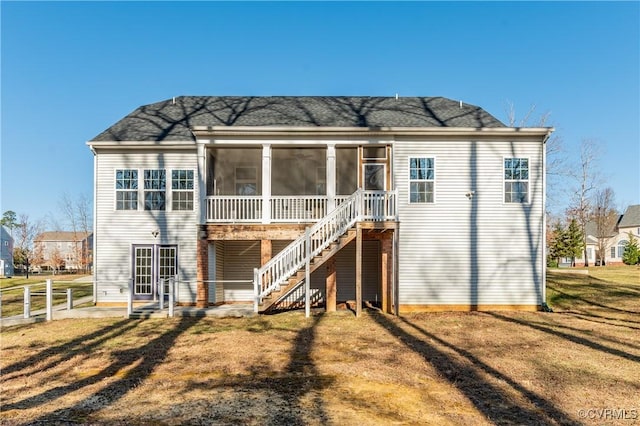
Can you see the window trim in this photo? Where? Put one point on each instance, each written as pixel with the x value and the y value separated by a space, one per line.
pixel 170 197
pixel 409 180
pixel 126 190
pixel 154 190
pixel 504 181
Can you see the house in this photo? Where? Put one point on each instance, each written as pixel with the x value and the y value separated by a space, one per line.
pixel 416 203
pixel 6 253
pixel 68 250
pixel 617 238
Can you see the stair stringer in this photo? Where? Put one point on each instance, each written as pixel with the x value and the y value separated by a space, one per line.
pixel 298 278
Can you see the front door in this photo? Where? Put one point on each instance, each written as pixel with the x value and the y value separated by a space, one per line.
pixel 153 264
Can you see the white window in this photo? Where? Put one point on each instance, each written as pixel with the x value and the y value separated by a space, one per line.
pixel 155 183
pixel 621 246
pixel 516 180
pixel 422 175
pixel 613 252
pixel 182 190
pixel 126 189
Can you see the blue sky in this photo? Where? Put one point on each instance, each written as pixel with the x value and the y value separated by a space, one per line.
pixel 72 69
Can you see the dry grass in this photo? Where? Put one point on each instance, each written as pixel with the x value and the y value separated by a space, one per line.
pixel 447 368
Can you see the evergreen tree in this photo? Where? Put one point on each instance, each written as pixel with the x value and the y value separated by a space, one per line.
pixel 573 241
pixel 631 254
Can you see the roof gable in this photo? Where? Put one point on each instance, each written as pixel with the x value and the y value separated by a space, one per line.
pixel 631 217
pixel 62 236
pixel 173 119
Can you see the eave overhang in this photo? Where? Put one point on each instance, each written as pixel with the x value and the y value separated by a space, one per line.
pixel 208 132
pixel 180 144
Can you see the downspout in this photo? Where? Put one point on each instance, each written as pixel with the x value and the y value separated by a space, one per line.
pixel 95 216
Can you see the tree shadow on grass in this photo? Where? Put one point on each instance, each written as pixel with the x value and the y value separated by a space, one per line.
pixel 569 337
pixel 571 298
pixel 465 371
pixel 286 390
pixel 67 350
pixel 138 362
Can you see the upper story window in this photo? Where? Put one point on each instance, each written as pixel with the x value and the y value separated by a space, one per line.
pixel 155 183
pixel 516 180
pixel 126 189
pixel 422 175
pixel 182 190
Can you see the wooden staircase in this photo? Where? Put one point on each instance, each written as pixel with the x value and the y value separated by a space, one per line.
pixel 287 270
pixel 270 302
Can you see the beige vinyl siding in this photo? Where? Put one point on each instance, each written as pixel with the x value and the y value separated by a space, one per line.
pixel 218 276
pixel 468 251
pixel 240 258
pixel 117 230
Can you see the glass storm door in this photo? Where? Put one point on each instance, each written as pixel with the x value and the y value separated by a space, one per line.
pixel 151 265
pixel 374 176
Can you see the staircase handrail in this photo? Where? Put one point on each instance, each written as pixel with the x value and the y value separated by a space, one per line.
pixel 282 266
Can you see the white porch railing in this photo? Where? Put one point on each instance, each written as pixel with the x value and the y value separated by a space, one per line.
pixel 367 205
pixel 298 208
pixel 235 208
pixel 295 208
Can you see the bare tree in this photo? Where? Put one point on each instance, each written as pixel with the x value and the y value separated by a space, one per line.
pixel 77 213
pixel 27 231
pixel 605 217
pixel 556 166
pixel 586 177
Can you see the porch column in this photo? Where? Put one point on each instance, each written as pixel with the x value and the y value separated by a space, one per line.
pixel 202 184
pixel 265 251
pixel 331 289
pixel 331 177
pixel 358 270
pixel 202 271
pixel 386 249
pixel 266 183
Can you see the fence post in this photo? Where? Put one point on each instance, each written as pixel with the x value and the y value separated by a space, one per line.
pixel 256 290
pixel 49 298
pixel 130 298
pixel 307 276
pixel 27 301
pixel 69 299
pixel 172 282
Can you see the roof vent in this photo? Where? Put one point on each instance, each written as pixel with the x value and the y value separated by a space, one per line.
pixel 396 96
pixel 460 104
pixel 173 101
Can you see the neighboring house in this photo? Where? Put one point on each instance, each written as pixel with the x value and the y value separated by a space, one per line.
pixel 66 250
pixel 6 253
pixel 413 204
pixel 628 223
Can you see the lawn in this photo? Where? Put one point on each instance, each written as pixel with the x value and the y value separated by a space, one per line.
pixel 13 292
pixel 578 365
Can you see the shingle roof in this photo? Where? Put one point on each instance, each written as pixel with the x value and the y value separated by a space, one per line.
pixel 172 119
pixel 62 236
pixel 631 217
